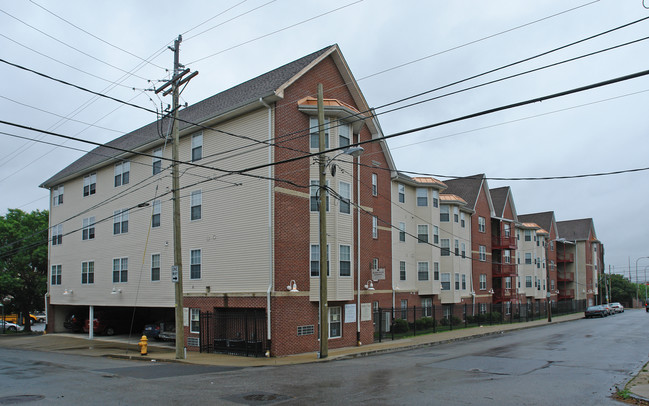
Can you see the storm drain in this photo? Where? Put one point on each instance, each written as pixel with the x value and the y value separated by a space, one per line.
pixel 257 398
pixel 15 400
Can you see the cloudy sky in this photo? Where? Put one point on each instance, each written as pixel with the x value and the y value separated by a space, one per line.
pixel 395 49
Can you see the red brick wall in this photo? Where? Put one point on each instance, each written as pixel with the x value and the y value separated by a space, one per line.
pixel 478 239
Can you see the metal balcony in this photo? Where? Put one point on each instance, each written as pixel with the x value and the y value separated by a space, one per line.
pixel 503 242
pixel 500 270
pixel 565 257
pixel 566 276
pixel 566 294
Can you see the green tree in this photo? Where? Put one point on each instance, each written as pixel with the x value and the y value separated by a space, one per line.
pixel 622 290
pixel 23 259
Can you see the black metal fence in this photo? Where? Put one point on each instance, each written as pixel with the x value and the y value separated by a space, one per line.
pixel 395 323
pixel 234 332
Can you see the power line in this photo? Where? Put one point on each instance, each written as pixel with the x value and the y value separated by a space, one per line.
pixel 224 22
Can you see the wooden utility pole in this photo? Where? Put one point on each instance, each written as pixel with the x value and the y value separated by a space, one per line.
pixel 177 269
pixel 324 309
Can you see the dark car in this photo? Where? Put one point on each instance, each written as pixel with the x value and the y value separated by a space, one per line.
pixel 152 331
pixel 108 323
pixel 596 311
pixel 75 322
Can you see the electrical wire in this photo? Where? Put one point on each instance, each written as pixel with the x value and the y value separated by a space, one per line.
pixel 226 21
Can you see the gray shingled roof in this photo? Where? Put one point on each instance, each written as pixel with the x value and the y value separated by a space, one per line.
pixel 544 219
pixel 499 198
pixel 575 229
pixel 221 103
pixel 467 188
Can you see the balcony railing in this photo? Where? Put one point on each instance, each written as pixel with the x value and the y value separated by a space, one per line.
pixel 503 269
pixel 566 276
pixel 565 257
pixel 503 294
pixel 501 241
pixel 566 294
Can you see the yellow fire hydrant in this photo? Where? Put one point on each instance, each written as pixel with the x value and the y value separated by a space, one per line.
pixel 144 344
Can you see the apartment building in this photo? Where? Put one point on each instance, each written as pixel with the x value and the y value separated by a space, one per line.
pixel 546 221
pixel 249 217
pixel 503 245
pixel 532 262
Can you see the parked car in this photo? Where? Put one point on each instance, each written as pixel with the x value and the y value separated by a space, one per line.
pixel 107 323
pixel 595 311
pixel 40 317
pixel 608 308
pixel 152 331
pixel 617 307
pixel 7 326
pixel 74 322
pixel 168 335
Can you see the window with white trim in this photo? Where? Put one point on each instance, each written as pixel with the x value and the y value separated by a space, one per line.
pixel 457 281
pixel 55 276
pixel 481 224
pixel 463 250
pixel 315 260
pixel 483 281
pixel 375 227
pixel 156 162
pixel 88 229
pixel 122 173
pixel 375 263
pixel 422 271
pixel 343 134
pixel 445 213
pixel 528 281
pixel 436 271
pixel 422 233
pixel 155 216
pixel 422 196
pixel 120 270
pixel 402 192
pixel 482 253
pixel 506 230
pixel 345 195
pixel 87 272
pixel 457 248
pixel 196 205
pixel 315 196
pixel 462 220
pixel 315 133
pixel 508 282
pixel 435 235
pixel 446 281
pixel 456 214
pixel 155 267
pixel 427 306
pixel 57 195
pixel 528 258
pixel 446 247
pixel 57 234
pixel 463 282
pixel 402 232
pixel 404 309
pixel 402 270
pixel 507 258
pixel 194 320
pixel 528 235
pixel 375 184
pixel 195 264
pixel 335 322
pixel 435 198
pixel 89 184
pixel 345 260
pixel 197 147
pixel 120 221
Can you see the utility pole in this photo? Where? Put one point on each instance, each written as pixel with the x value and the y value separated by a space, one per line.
pixel 177 269
pixel 324 313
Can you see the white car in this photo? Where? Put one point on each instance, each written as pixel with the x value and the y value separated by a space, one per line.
pixel 617 307
pixel 6 326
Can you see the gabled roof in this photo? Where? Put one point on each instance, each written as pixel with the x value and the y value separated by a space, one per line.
pixel 451 199
pixel 468 188
pixel 500 197
pixel 419 181
pixel 268 85
pixel 544 219
pixel 576 230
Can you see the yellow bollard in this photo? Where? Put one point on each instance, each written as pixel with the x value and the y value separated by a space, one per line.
pixel 144 344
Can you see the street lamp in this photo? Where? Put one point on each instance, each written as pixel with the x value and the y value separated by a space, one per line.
pixel 637 288
pixel 323 164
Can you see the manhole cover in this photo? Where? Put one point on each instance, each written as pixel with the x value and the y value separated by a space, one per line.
pixel 14 400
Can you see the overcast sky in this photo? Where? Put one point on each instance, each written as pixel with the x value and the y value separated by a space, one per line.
pixel 395 49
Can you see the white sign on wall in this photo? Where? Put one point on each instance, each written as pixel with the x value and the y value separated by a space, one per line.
pixel 350 313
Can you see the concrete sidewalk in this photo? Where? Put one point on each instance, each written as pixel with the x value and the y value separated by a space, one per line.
pixel 104 346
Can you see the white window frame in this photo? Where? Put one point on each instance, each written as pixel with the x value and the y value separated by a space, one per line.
pixel 402 232
pixel 343 134
pixel 482 224
pixel 315 133
pixel 57 195
pixel 435 235
pixel 120 222
pixel 456 214
pixel 194 320
pixel 375 184
pixel 422 196
pixel 156 161
pixel 88 229
pixel 155 267
pixel 156 214
pixel 55 275
pixel 462 220
pixel 422 233
pixel 375 227
pixel 335 322
pixel 314 198
pixel 345 258
pixel 122 173
pixel 315 261
pixel 528 258
pixel 482 253
pixel 402 270
pixel 57 234
pixel 120 270
pixel 197 147
pixel 445 281
pixel 195 264
pixel 423 272
pixel 436 271
pixel 88 271
pixel 401 190
pixel 457 281
pixel 196 202
pixel 345 191
pixel 90 182
pixel 444 213
pixel 445 245
pixel 435 198
pixel 483 281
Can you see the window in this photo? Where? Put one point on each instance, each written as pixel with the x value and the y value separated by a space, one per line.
pixel 315 260
pixel 462 220
pixel 155 217
pixel 155 267
pixel 422 233
pixel 315 133
pixel 481 224
pixel 463 282
pixel 345 260
pixel 404 309
pixel 463 250
pixel 55 277
pixel 528 281
pixel 457 281
pixel 483 308
pixel 422 271
pixel 122 171
pixel 375 227
pixel 551 245
pixel 435 235
pixel 335 320
pixel 195 264
pixel 427 306
pixel 343 135
pixel 194 320
pixel 538 262
pixel 315 201
pixel 197 147
pixel 402 193
pixel 375 263
pixel 444 213
pixel 506 230
pixel 402 232
pixel 551 284
pixel 89 184
pixel 157 161
pixel 482 253
pixel 446 247
pixel 375 184
pixel 120 221
pixel 435 198
pixel 57 195
pixel 87 272
pixel 196 204
pixel 120 270
pixel 345 194
pixel 507 256
pixel 457 248
pixel 57 234
pixel 402 270
pixel 88 230
pixel 538 241
pixel 528 235
pixel 436 271
pixel 508 282
pixel 422 197
pixel 483 281
pixel 528 258
pixel 446 281
pixel 456 215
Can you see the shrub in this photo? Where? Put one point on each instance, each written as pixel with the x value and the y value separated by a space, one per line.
pixel 425 323
pixel 400 326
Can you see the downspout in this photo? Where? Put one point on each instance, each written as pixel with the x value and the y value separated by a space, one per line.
pixel 270 221
pixel 358 247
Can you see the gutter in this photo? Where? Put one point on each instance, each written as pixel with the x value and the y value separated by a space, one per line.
pixel 270 218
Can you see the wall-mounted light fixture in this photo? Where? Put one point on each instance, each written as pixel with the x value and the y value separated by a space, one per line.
pixel 68 292
pixel 491 291
pixel 116 291
pixel 369 285
pixel 292 286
